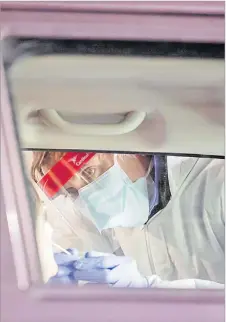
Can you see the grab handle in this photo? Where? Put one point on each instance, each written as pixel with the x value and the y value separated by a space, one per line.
pixel 131 121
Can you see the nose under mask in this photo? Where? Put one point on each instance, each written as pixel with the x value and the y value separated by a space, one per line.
pixel 113 200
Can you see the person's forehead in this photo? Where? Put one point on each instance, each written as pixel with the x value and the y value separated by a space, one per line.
pixel 99 159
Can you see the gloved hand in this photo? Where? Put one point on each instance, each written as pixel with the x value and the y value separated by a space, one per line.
pixel 116 271
pixel 65 262
pixel 95 267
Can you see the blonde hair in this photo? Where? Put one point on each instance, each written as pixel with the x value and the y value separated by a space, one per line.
pixel 43 159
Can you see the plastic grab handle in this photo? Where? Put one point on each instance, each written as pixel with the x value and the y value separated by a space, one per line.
pixel 131 121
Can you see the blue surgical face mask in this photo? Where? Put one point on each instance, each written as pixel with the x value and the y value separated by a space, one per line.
pixel 113 200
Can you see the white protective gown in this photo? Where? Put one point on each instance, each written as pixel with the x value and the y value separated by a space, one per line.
pixel 187 238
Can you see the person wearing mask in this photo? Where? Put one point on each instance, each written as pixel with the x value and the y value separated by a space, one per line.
pixel 167 213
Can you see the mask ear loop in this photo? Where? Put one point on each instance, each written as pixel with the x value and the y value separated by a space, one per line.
pixel 150 166
pixel 116 159
pixel 116 163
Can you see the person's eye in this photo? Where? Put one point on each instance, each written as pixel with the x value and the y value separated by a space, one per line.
pixel 89 172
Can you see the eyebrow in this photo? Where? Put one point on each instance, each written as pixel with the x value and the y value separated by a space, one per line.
pixel 91 163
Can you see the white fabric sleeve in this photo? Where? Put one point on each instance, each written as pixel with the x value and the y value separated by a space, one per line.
pixel 155 281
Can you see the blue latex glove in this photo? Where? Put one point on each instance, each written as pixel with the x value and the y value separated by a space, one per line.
pixel 117 271
pixel 103 268
pixel 65 263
